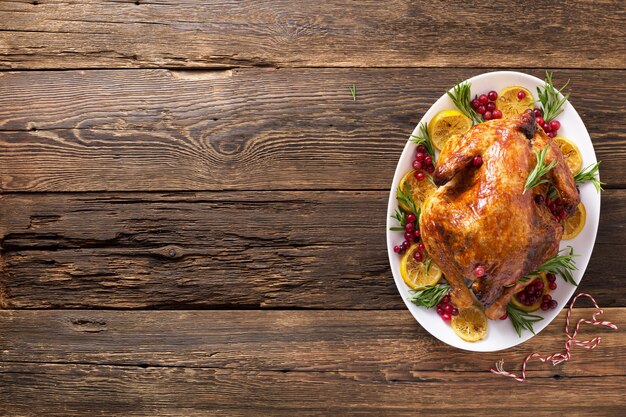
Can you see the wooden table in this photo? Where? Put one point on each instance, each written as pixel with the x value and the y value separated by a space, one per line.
pixel 192 206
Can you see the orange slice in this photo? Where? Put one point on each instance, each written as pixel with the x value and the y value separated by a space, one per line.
pixel 471 324
pixel 509 103
pixel 414 272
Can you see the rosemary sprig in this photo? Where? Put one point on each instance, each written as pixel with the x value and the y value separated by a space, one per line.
pixel 562 265
pixel 536 175
pixel 462 98
pixel 522 320
pixel 405 197
pixel 559 264
pixel 590 173
pixel 400 217
pixel 430 295
pixel 353 92
pixel 424 139
pixel 551 105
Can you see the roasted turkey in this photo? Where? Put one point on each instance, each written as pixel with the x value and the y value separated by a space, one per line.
pixel 481 220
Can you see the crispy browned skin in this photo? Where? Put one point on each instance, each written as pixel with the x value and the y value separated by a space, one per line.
pixel 481 216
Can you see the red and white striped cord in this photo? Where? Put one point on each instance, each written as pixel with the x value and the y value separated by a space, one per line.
pixel 558 358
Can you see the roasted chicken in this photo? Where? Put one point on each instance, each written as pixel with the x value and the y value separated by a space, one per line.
pixel 481 227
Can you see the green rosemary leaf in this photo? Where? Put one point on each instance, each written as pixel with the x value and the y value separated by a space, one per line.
pixel 462 99
pixel 536 175
pixel 427 263
pixel 399 215
pixel 404 196
pixel 551 104
pixel 522 320
pixel 424 139
pixel 562 265
pixel 396 229
pixel 430 295
pixel 353 92
pixel 590 173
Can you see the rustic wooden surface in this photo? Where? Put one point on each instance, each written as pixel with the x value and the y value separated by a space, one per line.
pixel 192 205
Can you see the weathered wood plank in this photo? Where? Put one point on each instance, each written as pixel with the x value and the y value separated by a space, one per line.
pixel 243 129
pixel 147 33
pixel 384 342
pixel 211 249
pixel 77 390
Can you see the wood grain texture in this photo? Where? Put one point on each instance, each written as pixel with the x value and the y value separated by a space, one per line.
pixel 283 362
pixel 251 129
pixel 87 390
pixel 147 33
pixel 220 249
pixel 289 341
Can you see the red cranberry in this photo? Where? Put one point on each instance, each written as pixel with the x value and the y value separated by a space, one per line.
pixel 551 277
pixel 448 308
pixel 410 218
pixel 538 112
pixel 497 114
pixel 553 304
pixel 446 316
pixel 540 121
pixel 539 199
pixel 505 316
pixel 419 175
pixel 477 161
pixel 531 300
pixel 440 310
pixel 552 285
pixel 546 298
pixel 562 214
pixel 545 306
pixel 419 156
pixel 488 115
pixel 418 256
pixel 428 160
pixel 483 99
pixel 481 110
pixel 475 103
pixel 521 94
pixel 521 296
pixel 555 125
pixel 420 247
pixel 417 234
pixel 417 165
pixel 445 299
pixel 455 311
pixel 492 95
pixel 396 249
pixel 409 227
pixel 430 169
pixel 408 236
pixel 539 284
pixel 405 245
pixel 421 149
pixel 490 107
pixel 551 134
pixel 479 271
pixel 546 127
